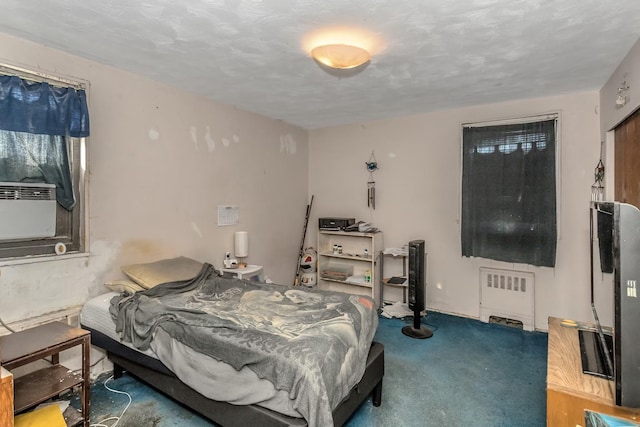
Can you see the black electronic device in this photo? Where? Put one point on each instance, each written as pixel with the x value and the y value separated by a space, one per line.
pixel 618 236
pixel 417 272
pixel 335 224
pixel 396 280
pixel 592 353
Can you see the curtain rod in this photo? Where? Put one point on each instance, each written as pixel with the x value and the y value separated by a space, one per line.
pixel 514 121
pixel 39 76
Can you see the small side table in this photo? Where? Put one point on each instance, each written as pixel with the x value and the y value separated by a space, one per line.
pixel 252 273
pixel 33 344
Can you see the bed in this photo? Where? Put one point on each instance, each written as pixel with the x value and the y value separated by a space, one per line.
pixel 238 352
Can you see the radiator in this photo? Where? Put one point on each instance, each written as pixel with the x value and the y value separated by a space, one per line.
pixel 70 316
pixel 27 210
pixel 508 294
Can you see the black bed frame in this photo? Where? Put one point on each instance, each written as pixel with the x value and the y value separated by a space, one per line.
pixel 157 375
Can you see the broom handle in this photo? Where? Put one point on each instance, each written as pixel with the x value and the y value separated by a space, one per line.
pixel 296 281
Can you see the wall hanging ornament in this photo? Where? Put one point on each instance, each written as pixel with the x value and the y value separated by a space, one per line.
pixel 597 189
pixel 372 166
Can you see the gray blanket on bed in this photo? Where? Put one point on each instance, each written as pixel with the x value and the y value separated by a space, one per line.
pixel 313 344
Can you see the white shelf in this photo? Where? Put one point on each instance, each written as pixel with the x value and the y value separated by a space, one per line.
pixel 352 261
pixel 347 256
pixel 385 277
pixel 344 282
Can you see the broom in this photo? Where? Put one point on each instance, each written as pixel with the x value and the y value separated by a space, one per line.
pixel 296 281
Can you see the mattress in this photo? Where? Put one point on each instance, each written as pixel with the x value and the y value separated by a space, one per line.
pixel 210 377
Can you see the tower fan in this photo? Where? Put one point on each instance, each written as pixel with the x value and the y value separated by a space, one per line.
pixel 417 290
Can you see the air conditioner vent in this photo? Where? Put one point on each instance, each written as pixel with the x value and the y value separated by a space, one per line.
pixel 15 191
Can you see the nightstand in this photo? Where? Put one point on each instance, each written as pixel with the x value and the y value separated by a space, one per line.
pixel 252 273
pixel 33 344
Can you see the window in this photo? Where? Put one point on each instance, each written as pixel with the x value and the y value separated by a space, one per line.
pixel 43 129
pixel 509 192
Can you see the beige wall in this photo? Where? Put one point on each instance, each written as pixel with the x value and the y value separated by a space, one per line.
pixel 161 161
pixel 611 116
pixel 629 70
pixel 418 196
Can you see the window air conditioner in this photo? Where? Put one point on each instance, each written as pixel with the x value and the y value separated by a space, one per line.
pixel 27 210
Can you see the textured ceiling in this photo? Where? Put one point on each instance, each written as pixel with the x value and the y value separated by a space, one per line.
pixel 427 55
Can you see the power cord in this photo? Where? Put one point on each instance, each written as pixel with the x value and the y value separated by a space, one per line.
pixel 6 326
pixel 117 419
pixel 76 371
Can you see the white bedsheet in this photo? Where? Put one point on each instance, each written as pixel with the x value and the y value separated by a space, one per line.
pixel 208 376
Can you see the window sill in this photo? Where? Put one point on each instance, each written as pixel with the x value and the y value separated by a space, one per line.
pixel 42 258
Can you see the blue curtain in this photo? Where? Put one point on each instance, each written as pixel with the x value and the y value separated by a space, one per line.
pixel 35 121
pixel 40 108
pixel 26 157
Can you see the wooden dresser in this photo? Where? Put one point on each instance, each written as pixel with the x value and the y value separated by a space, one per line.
pixel 569 390
pixel 6 398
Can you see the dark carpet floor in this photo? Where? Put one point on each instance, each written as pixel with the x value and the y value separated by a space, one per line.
pixel 470 373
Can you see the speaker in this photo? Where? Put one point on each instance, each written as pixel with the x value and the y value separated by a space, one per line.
pixel 416 275
pixel 417 270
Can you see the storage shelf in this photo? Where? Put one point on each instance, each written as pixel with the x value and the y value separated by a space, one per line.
pixel 346 256
pixel 43 384
pixel 48 340
pixel 72 416
pixel 348 233
pixel 351 261
pixel 344 282
pixel 384 282
pixel 395 285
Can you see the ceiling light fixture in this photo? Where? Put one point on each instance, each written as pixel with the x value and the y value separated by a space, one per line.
pixel 340 56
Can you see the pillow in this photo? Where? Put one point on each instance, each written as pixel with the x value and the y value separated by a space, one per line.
pixel 163 271
pixel 123 285
pixel 48 416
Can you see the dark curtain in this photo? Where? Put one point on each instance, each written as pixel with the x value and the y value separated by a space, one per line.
pixel 25 157
pixel 36 119
pixel 509 193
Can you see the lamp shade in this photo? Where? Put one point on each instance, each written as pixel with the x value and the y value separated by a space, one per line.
pixel 340 56
pixel 241 244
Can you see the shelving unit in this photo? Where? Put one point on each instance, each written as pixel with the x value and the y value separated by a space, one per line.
pixel 34 344
pixel 384 278
pixel 348 271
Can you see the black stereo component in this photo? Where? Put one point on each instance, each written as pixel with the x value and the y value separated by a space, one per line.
pixel 335 224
